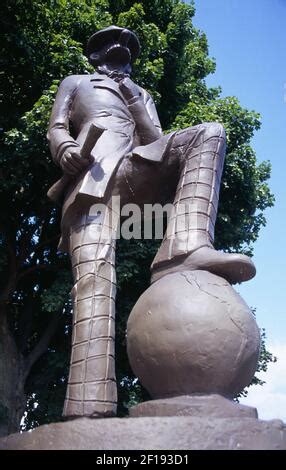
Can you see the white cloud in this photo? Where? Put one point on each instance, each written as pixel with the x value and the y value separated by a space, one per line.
pixel 270 398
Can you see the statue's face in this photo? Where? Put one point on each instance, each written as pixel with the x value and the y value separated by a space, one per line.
pixel 115 53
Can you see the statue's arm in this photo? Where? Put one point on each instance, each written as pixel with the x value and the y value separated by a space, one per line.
pixel 58 135
pixel 152 111
pixel 146 118
pixel 143 110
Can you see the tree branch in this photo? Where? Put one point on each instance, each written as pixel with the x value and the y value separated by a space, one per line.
pixel 9 289
pixel 10 246
pixel 42 345
pixel 14 278
pixel 33 268
pixel 25 325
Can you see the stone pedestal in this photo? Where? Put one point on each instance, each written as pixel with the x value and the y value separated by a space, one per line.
pixel 199 422
pixel 153 433
pixel 199 406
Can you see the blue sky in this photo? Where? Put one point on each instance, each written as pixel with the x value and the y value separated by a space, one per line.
pixel 248 39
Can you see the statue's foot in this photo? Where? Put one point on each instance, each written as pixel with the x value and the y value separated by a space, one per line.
pixel 233 267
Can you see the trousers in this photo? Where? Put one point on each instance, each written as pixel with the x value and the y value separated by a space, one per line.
pixel 189 176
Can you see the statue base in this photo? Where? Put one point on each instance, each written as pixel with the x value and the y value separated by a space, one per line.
pixel 196 405
pixel 182 423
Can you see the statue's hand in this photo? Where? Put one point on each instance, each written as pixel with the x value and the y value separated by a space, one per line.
pixel 129 89
pixel 72 163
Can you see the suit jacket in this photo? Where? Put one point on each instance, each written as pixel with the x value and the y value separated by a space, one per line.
pixel 85 99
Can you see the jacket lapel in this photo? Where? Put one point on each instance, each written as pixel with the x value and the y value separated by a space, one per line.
pixel 103 81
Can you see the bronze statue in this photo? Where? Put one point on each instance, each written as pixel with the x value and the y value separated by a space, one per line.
pixel 106 136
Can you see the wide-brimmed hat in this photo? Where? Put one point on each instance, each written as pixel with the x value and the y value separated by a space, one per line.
pixel 112 33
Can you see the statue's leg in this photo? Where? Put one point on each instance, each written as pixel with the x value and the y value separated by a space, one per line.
pixel 91 389
pixel 188 242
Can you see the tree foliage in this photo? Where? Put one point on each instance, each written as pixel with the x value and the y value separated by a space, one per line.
pixel 44 41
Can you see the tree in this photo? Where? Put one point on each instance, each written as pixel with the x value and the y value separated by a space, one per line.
pixel 43 42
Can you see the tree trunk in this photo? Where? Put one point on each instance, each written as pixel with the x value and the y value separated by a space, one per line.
pixel 12 381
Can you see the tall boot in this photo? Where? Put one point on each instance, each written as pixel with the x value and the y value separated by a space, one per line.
pixel 188 242
pixel 91 389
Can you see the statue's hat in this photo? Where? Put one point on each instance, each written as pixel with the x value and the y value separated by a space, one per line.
pixel 112 34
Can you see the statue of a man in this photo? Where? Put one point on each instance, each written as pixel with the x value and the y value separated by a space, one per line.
pixel 128 157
